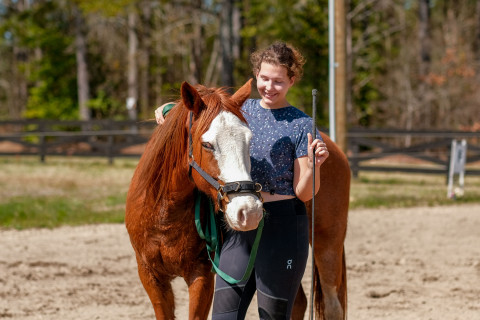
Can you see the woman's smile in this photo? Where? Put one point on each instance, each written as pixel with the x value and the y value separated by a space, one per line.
pixel 273 84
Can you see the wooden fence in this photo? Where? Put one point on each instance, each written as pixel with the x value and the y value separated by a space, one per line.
pixel 369 149
pixel 103 138
pixel 430 150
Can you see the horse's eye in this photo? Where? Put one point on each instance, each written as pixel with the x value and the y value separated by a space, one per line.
pixel 207 145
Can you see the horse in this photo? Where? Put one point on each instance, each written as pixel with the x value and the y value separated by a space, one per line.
pixel 160 205
pixel 203 145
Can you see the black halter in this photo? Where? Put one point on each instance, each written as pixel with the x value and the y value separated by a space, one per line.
pixel 222 190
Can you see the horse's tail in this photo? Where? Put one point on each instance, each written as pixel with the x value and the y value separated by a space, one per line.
pixel 341 292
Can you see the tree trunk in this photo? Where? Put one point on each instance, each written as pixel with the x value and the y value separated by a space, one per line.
pixel 197 43
pixel 212 65
pixel 83 88
pixel 132 65
pixel 424 39
pixel 349 65
pixel 237 25
pixel 226 43
pixel 146 48
pixel 477 33
pixel 16 89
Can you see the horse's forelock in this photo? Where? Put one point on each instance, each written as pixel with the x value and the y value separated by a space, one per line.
pixel 216 100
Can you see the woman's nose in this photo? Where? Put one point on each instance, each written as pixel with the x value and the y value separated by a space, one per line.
pixel 268 85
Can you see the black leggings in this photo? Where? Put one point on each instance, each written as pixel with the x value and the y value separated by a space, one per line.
pixel 279 267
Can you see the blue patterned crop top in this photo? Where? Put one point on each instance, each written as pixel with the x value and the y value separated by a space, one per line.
pixel 279 137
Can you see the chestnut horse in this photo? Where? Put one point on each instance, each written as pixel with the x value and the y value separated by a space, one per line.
pixel 207 132
pixel 160 205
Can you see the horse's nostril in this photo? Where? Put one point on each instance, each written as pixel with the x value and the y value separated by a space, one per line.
pixel 242 216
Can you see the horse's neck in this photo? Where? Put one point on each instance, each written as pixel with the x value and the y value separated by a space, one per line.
pixel 180 195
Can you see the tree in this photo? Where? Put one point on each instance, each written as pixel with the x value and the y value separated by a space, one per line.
pixel 132 68
pixel 83 86
pixel 226 42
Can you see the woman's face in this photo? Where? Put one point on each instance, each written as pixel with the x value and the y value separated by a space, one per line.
pixel 273 84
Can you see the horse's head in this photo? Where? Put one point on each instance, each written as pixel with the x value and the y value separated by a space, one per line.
pixel 219 144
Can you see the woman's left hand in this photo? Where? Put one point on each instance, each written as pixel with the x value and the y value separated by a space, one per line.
pixel 321 151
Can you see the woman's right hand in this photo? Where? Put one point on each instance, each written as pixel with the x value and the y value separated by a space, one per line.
pixel 159 114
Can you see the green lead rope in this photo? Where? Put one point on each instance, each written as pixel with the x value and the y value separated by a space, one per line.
pixel 211 238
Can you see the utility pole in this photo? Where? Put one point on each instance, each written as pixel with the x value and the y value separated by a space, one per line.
pixel 340 74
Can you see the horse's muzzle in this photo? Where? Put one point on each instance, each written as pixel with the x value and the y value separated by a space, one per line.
pixel 244 211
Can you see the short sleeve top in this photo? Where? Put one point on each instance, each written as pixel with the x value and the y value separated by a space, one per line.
pixel 279 137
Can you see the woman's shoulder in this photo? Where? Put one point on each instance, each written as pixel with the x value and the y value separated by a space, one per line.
pixel 249 103
pixel 251 106
pixel 293 114
pixel 297 112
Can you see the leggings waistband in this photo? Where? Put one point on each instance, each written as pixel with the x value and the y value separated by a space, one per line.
pixel 286 207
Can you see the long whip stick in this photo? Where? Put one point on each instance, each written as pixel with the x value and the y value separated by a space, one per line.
pixel 314 135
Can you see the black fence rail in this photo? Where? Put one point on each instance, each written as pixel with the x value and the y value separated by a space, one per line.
pixel 103 138
pixel 431 148
pixel 368 150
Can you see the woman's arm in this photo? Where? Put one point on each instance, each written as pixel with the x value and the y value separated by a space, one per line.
pixel 303 169
pixel 159 112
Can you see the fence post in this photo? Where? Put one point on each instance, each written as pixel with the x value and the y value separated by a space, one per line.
pixel 110 149
pixel 354 160
pixel 43 148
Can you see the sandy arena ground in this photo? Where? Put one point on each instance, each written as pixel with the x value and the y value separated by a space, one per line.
pixel 418 263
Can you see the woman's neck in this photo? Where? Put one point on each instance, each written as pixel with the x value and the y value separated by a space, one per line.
pixel 275 106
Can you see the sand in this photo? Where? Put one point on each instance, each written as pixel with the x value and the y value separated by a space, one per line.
pixel 416 263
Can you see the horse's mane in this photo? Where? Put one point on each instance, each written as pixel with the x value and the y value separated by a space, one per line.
pixel 167 150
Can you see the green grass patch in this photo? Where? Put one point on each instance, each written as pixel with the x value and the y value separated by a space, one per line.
pixel 394 190
pixel 75 191
pixel 49 212
pixel 62 191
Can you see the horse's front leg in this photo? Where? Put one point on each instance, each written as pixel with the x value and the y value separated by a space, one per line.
pixel 200 290
pixel 159 291
pixel 300 305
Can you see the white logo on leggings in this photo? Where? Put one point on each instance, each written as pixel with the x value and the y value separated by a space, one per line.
pixel 289 264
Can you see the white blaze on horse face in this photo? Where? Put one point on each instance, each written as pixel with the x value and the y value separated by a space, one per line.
pixel 230 139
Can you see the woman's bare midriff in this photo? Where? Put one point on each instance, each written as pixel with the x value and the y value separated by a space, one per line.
pixel 267 197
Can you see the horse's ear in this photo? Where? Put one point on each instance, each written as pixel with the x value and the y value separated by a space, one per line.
pixel 191 99
pixel 243 93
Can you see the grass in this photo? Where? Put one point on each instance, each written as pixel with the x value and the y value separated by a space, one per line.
pixel 393 190
pixel 62 191
pixel 75 191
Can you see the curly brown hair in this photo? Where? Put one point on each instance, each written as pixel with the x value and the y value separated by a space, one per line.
pixel 279 54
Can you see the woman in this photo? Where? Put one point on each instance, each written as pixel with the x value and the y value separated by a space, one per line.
pixel 281 153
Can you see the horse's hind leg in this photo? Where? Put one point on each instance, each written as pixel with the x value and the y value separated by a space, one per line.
pixel 159 291
pixel 331 308
pixel 330 230
pixel 329 265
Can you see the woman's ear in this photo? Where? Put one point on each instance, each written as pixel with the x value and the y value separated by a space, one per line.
pixel 292 81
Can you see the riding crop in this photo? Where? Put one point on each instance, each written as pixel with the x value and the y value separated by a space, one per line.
pixel 314 134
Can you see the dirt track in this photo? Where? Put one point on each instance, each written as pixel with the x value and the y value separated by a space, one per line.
pixel 419 263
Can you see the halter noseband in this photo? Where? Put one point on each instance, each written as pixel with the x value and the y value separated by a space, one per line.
pixel 222 190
